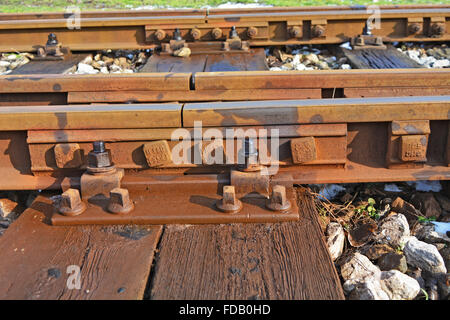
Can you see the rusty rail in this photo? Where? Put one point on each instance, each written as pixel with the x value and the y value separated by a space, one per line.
pixel 260 27
pixel 28 90
pixel 354 139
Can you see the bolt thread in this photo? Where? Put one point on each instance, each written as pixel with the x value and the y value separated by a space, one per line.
pixel 99 146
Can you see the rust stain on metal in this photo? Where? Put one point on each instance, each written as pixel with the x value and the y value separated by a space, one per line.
pixel 68 155
pixel 250 184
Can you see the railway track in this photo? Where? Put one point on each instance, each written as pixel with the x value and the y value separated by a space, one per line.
pixel 214 137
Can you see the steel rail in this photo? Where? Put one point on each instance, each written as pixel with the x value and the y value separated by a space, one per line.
pixel 203 11
pixel 362 140
pixel 273 27
pixel 55 89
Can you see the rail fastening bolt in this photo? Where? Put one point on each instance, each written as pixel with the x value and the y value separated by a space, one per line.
pixel 295 32
pixel 98 146
pixel 216 33
pixel 52 40
pixel 160 34
pixel 278 200
pixel 317 31
pixel 414 28
pixel 438 29
pixel 233 33
pixel 229 203
pixel 177 35
pixel 252 32
pixel 99 157
pixel 250 154
pixel 196 33
pixel 71 204
pixel 119 201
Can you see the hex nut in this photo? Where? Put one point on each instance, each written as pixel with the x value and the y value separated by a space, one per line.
pixel 71 204
pixel 278 200
pixel 99 159
pixel 119 201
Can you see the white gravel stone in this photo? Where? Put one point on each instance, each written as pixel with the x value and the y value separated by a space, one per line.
pixel 358 266
pixel 115 68
pixel 369 289
pixel 392 229
pixel 423 255
pixel 312 58
pixel 399 286
pixel 441 63
pixel 86 69
pixel 335 240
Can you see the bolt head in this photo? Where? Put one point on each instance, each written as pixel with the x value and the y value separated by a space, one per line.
pixel 317 31
pixel 216 33
pixel 296 32
pixel 229 203
pixel 414 28
pixel 438 29
pixel 196 34
pixel 119 201
pixel 71 204
pixel 278 200
pixel 160 34
pixel 252 32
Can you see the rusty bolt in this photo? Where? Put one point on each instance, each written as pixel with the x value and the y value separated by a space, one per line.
pixel 160 34
pixel 378 41
pixel 359 41
pixel 414 28
pixel 278 201
pixel 216 33
pixel 295 32
pixel 52 40
pixel 196 34
pixel 250 154
pixel 252 32
pixel 71 204
pixel 119 201
pixel 229 203
pixel 317 31
pixel 99 157
pixel 438 29
pixel 177 35
pixel 233 33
